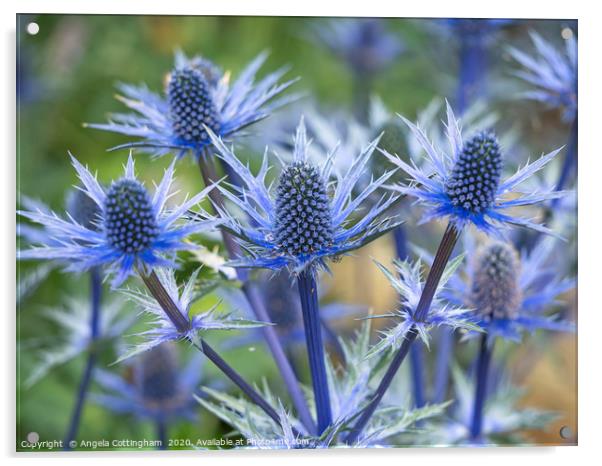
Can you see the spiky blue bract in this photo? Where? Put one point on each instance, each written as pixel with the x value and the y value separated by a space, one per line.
pixel 74 336
pixel 364 43
pixel 163 328
pixel 409 285
pixel 552 72
pixel 446 183
pixel 132 230
pixel 160 389
pixel 300 226
pixel 198 94
pixel 511 293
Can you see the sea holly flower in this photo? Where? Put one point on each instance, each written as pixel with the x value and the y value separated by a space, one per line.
pixel 132 229
pixel 163 328
pixel 363 43
pixel 552 72
pixel 74 339
pixel 300 225
pixel 510 292
pixel 159 388
pixel 198 95
pixel 466 185
pixel 409 284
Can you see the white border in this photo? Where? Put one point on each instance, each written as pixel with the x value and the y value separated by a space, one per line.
pixel 590 221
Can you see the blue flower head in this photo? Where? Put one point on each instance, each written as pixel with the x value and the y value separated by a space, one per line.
pixel 409 286
pixel 130 229
pixel 510 292
pixel 302 224
pixel 364 43
pixel 163 328
pixel 466 184
pixel 552 73
pixel 157 389
pixel 198 96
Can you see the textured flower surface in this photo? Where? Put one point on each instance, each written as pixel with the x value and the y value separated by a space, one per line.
pixel 301 224
pixel 198 95
pixel 364 43
pixel 466 184
pixel 163 327
pixel 350 388
pixel 74 337
pixel 552 72
pixel 158 388
pixel 131 230
pixel 409 285
pixel 510 293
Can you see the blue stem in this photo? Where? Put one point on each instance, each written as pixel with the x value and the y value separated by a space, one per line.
pixel 445 352
pixel 473 66
pixel 444 251
pixel 569 165
pixel 315 348
pixel 476 426
pixel 416 351
pixel 84 385
pixel 162 433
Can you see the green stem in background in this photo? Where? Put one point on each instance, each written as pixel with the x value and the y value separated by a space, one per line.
pixel 256 303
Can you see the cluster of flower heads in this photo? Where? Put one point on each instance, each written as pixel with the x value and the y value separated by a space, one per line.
pixel 313 212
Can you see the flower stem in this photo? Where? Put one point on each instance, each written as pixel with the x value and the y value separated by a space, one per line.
pixel 445 352
pixel 486 349
pixel 256 303
pixel 416 351
pixel 569 165
pixel 159 292
pixel 162 433
pixel 84 385
pixel 315 348
pixel 473 67
pixel 450 237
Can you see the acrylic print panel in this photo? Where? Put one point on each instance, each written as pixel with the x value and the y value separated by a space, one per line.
pixel 398 268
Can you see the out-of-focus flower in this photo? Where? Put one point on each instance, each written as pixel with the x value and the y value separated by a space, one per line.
pixel 130 230
pixel 510 293
pixel 552 72
pixel 198 96
pixel 302 226
pixel 155 386
pixel 465 184
pixel 363 43
pixel 75 338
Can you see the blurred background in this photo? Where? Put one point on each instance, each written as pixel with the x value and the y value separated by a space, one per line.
pixel 66 76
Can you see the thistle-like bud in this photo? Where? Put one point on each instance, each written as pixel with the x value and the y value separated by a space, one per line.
pixel 394 142
pixel 191 105
pixel 495 289
pixel 476 175
pixel 303 217
pixel 157 375
pixel 83 209
pixel 130 221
